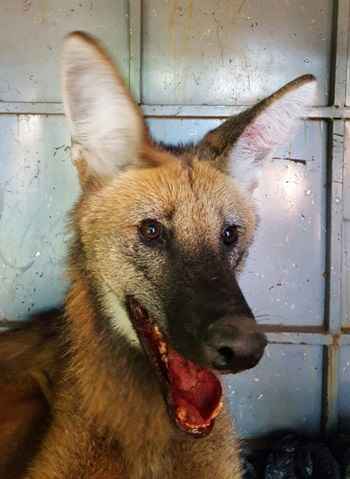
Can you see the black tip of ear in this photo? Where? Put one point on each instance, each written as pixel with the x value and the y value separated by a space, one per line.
pixel 83 40
pixel 305 86
pixel 308 78
pixel 82 43
pixel 81 35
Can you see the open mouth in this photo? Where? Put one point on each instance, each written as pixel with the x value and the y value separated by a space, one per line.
pixel 193 394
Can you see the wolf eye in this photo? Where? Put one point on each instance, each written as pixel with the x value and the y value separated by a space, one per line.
pixel 151 230
pixel 230 235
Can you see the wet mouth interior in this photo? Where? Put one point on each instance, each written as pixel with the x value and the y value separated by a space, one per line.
pixel 193 394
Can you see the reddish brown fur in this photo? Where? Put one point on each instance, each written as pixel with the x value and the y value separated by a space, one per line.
pixel 27 369
pixel 109 418
pixel 100 430
pixel 131 433
pixel 96 393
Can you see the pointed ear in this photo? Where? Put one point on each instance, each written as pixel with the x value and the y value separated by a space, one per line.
pixel 240 144
pixel 103 118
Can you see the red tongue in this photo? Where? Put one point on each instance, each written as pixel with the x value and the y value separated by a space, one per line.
pixel 193 393
pixel 196 392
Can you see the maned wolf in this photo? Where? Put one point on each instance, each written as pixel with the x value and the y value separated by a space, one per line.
pixel 125 382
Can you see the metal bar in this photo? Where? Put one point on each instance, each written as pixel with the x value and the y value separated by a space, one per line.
pixel 335 229
pixel 333 313
pixel 294 337
pixel 223 111
pixel 344 340
pixel 299 338
pixel 334 256
pixel 173 111
pixel 135 48
pixel 331 390
pixel 26 108
pixel 342 10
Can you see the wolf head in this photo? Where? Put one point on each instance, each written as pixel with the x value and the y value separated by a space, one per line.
pixel 163 232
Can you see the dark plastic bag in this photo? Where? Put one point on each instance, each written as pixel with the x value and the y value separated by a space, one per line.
pixel 294 458
pixel 248 469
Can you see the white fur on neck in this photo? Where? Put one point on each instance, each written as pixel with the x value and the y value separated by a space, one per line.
pixel 120 320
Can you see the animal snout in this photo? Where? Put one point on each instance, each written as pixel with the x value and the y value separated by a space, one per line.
pixel 231 348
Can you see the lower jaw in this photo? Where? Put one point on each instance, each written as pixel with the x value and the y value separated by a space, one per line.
pixel 157 350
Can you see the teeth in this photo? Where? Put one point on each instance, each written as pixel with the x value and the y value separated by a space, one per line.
pixel 164 358
pixel 218 409
pixel 181 414
pixel 162 345
pixel 163 349
pixel 138 310
pixel 157 331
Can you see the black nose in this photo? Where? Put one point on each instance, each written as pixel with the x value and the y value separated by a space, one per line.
pixel 233 346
